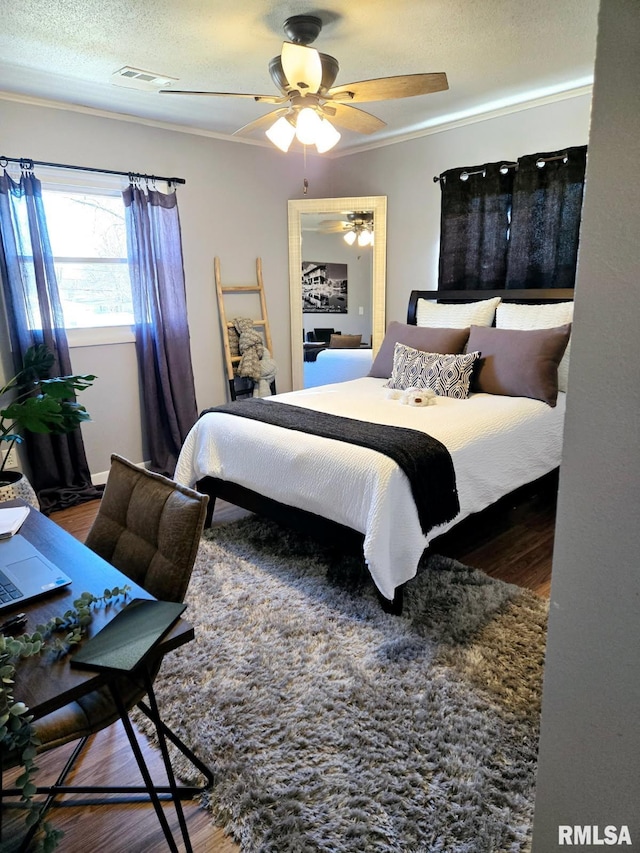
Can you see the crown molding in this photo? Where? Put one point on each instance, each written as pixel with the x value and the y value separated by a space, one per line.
pixel 486 112
pixel 147 122
pixel 483 113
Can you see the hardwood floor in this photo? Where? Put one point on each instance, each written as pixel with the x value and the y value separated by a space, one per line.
pixel 512 541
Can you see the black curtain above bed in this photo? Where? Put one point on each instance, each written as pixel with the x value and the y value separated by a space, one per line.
pixel 473 229
pixel 512 225
pixel 545 210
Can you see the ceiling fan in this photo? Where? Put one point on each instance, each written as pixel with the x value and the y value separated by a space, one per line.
pixel 355 226
pixel 309 99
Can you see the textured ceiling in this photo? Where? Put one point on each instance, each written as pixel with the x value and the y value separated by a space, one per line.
pixel 495 52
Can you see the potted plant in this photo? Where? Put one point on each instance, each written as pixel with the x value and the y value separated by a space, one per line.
pixel 38 403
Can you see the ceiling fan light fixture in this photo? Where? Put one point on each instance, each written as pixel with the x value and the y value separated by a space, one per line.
pixel 281 133
pixel 326 137
pixel 308 126
pixel 302 67
pixel 350 237
pixel 364 238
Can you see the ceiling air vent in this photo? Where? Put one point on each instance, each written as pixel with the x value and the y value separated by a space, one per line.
pixel 135 78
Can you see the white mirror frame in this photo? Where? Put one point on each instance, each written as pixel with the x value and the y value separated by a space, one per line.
pixel 375 203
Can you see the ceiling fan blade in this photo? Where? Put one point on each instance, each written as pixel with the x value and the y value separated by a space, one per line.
pixel 260 123
pixel 267 99
pixel 333 226
pixel 390 88
pixel 302 67
pixel 354 119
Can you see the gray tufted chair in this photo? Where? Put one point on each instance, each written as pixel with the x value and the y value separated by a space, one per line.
pixel 149 528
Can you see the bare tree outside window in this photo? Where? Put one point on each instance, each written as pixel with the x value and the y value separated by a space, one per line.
pixel 88 241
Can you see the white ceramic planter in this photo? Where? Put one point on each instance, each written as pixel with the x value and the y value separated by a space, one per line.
pixel 13 485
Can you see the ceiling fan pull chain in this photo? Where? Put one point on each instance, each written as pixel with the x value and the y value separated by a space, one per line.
pixel 305 182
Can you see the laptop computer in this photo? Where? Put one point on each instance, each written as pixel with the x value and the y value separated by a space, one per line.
pixel 25 573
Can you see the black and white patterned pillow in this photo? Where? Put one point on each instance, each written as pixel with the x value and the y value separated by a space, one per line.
pixel 447 375
pixel 450 375
pixel 410 367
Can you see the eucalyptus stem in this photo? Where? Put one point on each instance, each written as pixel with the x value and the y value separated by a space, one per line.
pixel 17 733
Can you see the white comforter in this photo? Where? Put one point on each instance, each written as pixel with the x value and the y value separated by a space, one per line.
pixel 497 444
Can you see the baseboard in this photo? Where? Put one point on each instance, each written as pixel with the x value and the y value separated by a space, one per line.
pixel 100 477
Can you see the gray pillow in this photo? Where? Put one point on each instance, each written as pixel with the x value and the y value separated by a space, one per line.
pixel 517 362
pixel 423 338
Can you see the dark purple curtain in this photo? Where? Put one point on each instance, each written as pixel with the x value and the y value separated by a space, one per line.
pixel 58 465
pixel 162 333
pixel 545 215
pixel 473 227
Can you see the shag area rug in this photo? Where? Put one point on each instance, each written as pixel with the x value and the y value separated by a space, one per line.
pixel 333 726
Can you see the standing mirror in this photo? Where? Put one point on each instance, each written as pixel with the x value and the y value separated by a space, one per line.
pixel 350 296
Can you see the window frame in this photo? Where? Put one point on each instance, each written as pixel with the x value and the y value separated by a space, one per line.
pixel 98 184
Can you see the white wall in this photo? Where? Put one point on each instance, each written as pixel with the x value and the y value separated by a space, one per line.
pixel 113 402
pixel 234 205
pixel 589 767
pixel 404 173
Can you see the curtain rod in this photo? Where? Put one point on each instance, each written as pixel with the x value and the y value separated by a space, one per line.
pixel 27 163
pixel 504 168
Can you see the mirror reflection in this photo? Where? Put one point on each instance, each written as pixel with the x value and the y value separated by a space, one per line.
pixel 338 247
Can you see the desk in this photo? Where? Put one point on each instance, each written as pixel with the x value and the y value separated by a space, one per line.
pixel 47 683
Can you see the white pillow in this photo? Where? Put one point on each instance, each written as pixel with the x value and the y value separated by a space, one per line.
pixel 459 316
pixel 547 316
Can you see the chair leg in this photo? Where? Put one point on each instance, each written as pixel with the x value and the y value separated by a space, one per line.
pixel 52 792
pixel 184 749
pixel 129 793
pixel 144 770
pixel 151 792
pixel 167 762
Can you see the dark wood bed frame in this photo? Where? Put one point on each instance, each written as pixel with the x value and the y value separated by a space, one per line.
pixel 323 528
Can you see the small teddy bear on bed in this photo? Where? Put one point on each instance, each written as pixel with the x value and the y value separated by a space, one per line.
pixel 413 396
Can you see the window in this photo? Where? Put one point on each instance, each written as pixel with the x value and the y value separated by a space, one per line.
pixel 88 241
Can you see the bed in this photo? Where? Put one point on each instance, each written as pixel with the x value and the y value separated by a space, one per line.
pixel 337 365
pixel 497 442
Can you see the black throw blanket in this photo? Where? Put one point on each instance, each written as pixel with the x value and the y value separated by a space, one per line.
pixel 425 460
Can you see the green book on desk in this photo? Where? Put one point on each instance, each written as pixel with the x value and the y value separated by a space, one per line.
pixel 123 643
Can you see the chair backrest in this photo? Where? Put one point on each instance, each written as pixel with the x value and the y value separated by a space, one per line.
pixel 345 341
pixel 149 528
pixel 324 334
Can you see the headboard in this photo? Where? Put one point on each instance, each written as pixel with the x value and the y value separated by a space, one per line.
pixel 527 297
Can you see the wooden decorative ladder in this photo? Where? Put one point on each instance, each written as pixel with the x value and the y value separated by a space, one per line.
pixel 244 386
